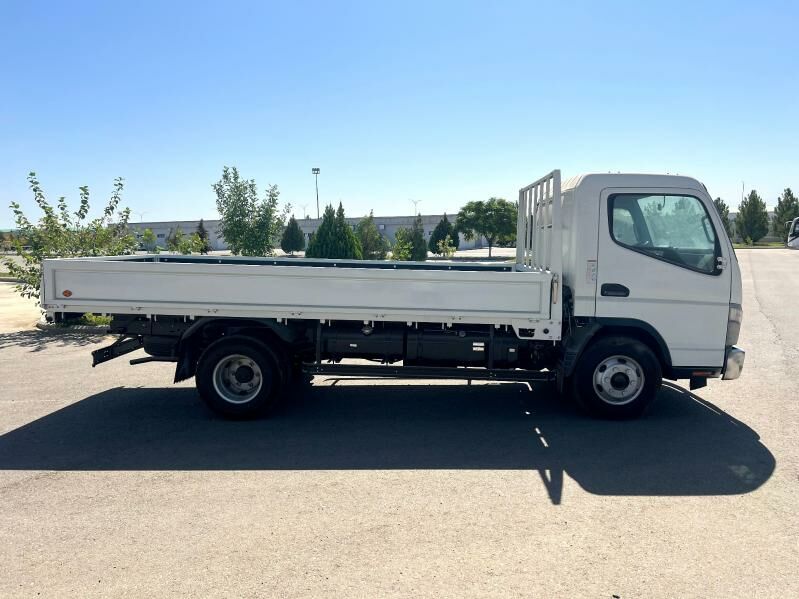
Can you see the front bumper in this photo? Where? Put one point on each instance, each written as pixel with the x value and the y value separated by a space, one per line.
pixel 733 363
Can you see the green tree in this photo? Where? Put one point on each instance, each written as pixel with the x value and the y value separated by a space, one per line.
pixel 188 244
pixel 443 229
pixel 409 243
pixel 293 239
pixel 334 238
pixel 752 220
pixel 60 233
pixel 445 247
pixel 724 213
pixel 149 241
pixel 786 210
pixel 173 238
pixel 494 219
pixel 402 249
pixel 202 233
pixel 374 245
pixel 251 227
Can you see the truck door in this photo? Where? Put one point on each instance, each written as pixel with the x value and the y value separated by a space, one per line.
pixel 662 262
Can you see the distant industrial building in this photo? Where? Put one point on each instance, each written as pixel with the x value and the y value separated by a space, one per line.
pixel 387 225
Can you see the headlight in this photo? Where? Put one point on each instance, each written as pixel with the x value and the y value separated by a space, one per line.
pixel 734 324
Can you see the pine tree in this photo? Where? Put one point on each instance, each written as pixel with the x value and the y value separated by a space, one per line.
pixel 373 245
pixel 334 238
pixel 724 213
pixel 787 209
pixel 752 221
pixel 293 239
pixel 443 228
pixel 419 253
pixel 202 233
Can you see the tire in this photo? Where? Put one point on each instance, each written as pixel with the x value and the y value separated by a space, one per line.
pixel 617 377
pixel 239 378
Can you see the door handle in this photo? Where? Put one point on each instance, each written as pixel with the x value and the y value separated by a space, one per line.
pixel 614 290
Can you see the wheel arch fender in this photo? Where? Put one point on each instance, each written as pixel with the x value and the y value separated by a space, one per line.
pixel 266 333
pixel 604 327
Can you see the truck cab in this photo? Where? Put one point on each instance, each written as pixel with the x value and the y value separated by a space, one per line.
pixel 650 252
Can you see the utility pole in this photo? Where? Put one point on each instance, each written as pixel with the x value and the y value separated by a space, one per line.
pixel 315 173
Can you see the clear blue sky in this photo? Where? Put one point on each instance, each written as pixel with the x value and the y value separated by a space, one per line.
pixel 442 102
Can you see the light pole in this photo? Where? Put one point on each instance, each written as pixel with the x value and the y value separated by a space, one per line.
pixel 304 210
pixel 415 204
pixel 315 173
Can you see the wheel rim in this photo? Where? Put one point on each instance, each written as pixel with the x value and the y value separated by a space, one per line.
pixel 618 380
pixel 237 378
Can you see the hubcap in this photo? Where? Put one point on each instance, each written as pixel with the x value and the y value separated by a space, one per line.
pixel 237 378
pixel 618 380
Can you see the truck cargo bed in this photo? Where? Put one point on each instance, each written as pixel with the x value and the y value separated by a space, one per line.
pixel 194 286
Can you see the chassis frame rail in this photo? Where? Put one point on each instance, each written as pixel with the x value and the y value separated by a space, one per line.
pixel 429 372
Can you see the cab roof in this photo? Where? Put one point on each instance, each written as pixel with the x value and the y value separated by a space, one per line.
pixel 603 180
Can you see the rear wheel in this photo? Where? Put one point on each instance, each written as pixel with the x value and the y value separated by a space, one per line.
pixel 617 377
pixel 238 378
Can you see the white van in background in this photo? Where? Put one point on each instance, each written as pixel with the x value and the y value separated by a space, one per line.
pixel 793 233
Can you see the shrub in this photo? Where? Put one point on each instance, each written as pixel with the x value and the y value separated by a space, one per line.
pixel 60 233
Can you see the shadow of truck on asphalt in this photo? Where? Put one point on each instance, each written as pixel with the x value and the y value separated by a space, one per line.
pixel 684 446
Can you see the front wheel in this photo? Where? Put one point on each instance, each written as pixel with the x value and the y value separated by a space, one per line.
pixel 239 379
pixel 617 377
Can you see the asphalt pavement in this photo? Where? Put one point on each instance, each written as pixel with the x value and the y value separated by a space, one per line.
pixel 114 482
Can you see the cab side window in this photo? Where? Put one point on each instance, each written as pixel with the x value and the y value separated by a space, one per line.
pixel 672 228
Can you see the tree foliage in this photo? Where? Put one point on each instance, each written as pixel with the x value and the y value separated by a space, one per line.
pixel 494 219
pixel 724 214
pixel 202 233
pixel 150 241
pixel 786 210
pixel 374 245
pixel 752 220
pixel 251 227
pixel 334 238
pixel 445 247
pixel 443 229
pixel 6 241
pixel 60 233
pixel 181 243
pixel 293 239
pixel 409 243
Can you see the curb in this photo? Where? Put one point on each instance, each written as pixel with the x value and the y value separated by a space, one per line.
pixel 78 328
pixel 8 280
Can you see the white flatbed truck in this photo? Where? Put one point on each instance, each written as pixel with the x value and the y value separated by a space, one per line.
pixel 619 280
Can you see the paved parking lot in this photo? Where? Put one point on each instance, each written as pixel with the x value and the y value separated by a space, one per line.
pixel 113 482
